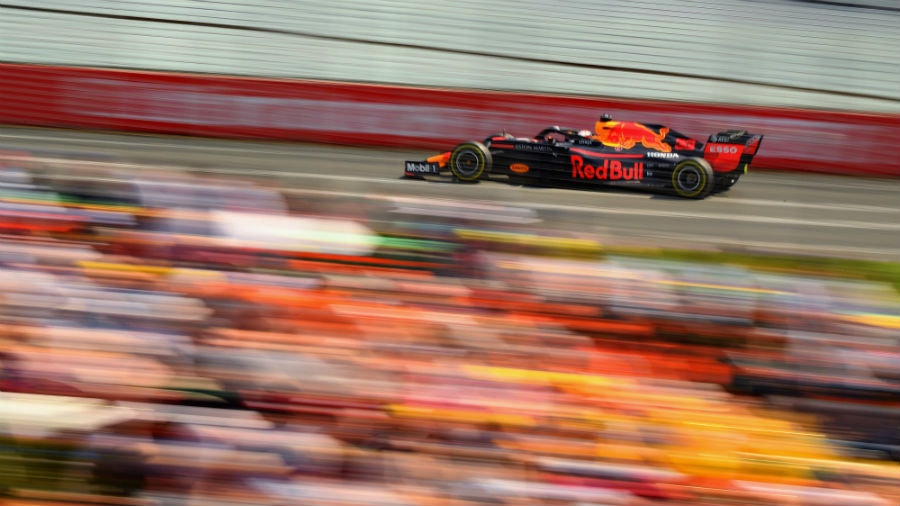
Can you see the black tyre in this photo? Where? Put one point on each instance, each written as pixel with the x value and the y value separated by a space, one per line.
pixel 470 160
pixel 693 179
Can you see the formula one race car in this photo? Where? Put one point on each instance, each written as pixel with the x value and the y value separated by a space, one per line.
pixel 620 153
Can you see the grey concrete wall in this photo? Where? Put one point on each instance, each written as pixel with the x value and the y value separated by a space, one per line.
pixel 832 55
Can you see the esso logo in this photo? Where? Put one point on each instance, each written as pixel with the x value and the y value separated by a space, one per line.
pixel 724 149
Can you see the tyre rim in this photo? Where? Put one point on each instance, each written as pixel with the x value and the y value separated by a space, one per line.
pixel 689 179
pixel 467 163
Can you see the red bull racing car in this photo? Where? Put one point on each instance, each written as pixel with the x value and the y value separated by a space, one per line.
pixel 621 153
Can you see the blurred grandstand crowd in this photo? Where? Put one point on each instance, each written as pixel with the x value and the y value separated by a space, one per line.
pixel 175 339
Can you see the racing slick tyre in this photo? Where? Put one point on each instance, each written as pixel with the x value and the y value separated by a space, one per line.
pixel 470 160
pixel 693 178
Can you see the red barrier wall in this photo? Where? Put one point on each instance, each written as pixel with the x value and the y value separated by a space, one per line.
pixel 395 116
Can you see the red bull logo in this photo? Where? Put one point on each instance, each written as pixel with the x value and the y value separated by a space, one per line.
pixel 627 134
pixel 611 170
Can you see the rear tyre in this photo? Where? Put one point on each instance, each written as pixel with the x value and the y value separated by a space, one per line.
pixel 693 179
pixel 470 160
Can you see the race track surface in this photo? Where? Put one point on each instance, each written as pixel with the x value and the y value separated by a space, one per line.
pixel 803 213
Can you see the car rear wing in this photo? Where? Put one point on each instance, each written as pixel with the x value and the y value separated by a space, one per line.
pixel 731 149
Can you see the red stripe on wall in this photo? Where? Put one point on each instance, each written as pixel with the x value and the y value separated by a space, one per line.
pixel 408 117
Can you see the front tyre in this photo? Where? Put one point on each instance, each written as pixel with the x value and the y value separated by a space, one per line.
pixel 693 179
pixel 470 160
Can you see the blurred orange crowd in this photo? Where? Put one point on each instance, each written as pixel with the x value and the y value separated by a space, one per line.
pixel 181 340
